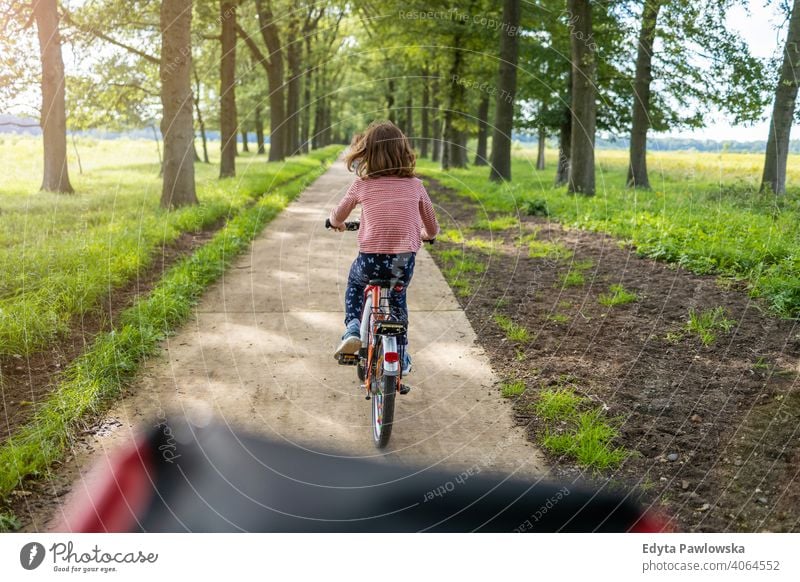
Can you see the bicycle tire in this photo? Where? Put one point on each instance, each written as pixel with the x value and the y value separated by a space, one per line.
pixel 383 400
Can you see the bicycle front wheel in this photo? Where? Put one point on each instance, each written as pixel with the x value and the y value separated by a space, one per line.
pixel 383 400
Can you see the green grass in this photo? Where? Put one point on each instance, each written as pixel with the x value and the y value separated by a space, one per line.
pixel 464 265
pixel 8 522
pixel 575 428
pixel 95 377
pixel 558 318
pixel 573 279
pixel 459 266
pixel 557 404
pixel 451 235
pixel 482 245
pixel 536 207
pixel 513 331
pixel 706 324
pixel 512 389
pixel 617 295
pixel 60 254
pixel 542 249
pixel 499 223
pixel 704 213
pixel 449 255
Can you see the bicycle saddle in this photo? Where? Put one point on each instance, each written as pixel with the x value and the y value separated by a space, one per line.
pixel 385 283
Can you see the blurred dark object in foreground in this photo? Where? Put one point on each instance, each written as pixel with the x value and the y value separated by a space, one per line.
pixel 183 478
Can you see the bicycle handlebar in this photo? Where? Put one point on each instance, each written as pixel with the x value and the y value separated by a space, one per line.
pixel 355 225
pixel 347 225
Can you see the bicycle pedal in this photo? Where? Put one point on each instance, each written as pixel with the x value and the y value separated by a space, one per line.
pixel 347 359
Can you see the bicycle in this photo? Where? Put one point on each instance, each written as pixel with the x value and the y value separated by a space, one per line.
pixel 379 360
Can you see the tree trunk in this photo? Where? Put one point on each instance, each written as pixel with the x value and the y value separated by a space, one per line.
pixel 227 88
pixel 436 125
pixel 316 136
pixel 195 155
pixel 245 144
pixel 158 149
pixel 259 130
pixel 637 170
pixel 459 155
pixel 274 66
pixel 774 177
pixel 178 187
pixel 581 170
pixel 200 122
pixel 564 148
pixel 452 157
pixel 390 111
pixel 54 115
pixel 507 88
pixel 294 53
pixel 305 116
pixel 409 125
pixel 327 129
pixel 483 131
pixel 425 129
pixel 540 153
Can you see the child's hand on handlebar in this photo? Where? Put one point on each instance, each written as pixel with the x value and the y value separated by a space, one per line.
pixel 329 224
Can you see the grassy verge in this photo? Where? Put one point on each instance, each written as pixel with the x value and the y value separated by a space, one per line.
pixel 94 378
pixel 59 255
pixel 703 213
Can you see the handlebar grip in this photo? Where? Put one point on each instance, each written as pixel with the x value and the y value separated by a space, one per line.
pixel 347 225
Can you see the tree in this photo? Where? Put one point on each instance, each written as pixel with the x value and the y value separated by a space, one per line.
pixel 584 108
pixel 637 169
pixel 774 176
pixel 227 116
pixel 178 187
pixel 701 65
pixel 54 115
pixel 273 66
pixel 507 88
pixel 483 131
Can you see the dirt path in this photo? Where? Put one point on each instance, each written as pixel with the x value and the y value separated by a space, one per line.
pixel 257 355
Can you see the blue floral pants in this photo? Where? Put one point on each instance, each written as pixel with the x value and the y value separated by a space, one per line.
pixel 399 268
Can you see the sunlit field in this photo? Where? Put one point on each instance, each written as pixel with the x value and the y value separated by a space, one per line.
pixel 60 253
pixel 704 213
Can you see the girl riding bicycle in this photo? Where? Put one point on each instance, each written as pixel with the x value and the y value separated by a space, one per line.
pixel 396 216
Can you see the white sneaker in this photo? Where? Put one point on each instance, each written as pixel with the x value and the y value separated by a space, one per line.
pixel 350 344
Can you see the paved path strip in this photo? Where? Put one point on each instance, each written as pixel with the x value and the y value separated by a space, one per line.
pixel 258 356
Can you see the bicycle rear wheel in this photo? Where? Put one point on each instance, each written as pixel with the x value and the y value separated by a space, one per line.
pixel 384 390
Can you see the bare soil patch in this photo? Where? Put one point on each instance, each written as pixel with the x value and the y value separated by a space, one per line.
pixel 713 429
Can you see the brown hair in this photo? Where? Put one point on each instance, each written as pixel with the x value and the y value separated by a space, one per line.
pixel 382 150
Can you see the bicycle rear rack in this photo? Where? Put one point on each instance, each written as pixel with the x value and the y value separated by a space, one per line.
pixel 390 328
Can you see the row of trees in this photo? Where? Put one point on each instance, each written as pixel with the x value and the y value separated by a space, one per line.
pixel 316 72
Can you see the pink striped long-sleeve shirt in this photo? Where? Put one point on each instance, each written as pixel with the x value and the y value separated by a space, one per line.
pixel 396 214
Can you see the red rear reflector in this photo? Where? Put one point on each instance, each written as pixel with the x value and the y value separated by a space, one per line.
pixel 391 357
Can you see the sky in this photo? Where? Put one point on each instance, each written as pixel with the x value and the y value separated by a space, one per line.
pixel 758 28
